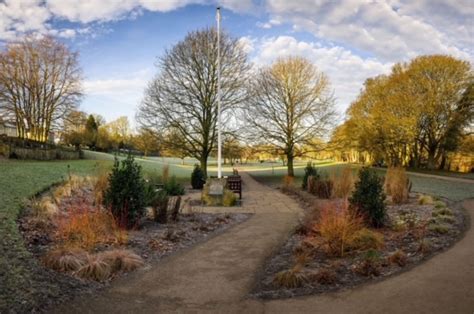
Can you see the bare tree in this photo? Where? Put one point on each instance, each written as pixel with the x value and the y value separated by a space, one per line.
pixel 182 98
pixel 40 83
pixel 290 104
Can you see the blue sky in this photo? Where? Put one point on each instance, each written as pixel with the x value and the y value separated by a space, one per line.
pixel 349 40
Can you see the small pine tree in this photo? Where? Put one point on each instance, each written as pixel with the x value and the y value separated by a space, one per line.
pixel 198 178
pixel 125 195
pixel 309 170
pixel 368 197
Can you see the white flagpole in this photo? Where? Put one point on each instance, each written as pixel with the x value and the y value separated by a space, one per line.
pixel 219 126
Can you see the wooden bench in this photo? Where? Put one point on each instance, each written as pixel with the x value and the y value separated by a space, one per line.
pixel 234 183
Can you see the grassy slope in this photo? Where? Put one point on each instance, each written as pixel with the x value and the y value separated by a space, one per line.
pixel 449 189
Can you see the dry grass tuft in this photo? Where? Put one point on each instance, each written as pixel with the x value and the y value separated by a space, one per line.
pixel 425 200
pixel 122 260
pixel 43 207
pixel 343 183
pixel 94 268
pixel 100 186
pixel 337 227
pixel 398 257
pixel 65 260
pixel 397 185
pixel 366 239
pixel 370 265
pixel 291 278
pixel 165 174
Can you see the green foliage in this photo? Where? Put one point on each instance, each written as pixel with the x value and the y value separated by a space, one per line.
pixel 198 178
pixel 366 239
pixel 159 204
pixel 125 195
pixel 368 197
pixel 309 170
pixel 173 188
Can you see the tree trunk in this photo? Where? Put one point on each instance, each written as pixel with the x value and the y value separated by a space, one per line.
pixel 289 163
pixel 431 159
pixel 203 161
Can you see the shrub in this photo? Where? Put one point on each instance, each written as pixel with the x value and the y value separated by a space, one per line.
pixel 398 257
pixel 122 260
pixel 291 278
pixel 172 187
pixel 337 227
pixel 366 239
pixel 425 200
pixel 368 197
pixel 397 185
pixel 64 260
pixel 125 195
pixel 309 170
pixel 94 268
pixel 442 211
pixel 370 265
pixel 198 179
pixel 343 183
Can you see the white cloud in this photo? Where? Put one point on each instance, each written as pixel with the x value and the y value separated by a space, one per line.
pixel 389 30
pixel 346 71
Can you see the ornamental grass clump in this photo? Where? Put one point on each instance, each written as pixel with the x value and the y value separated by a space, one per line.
pixel 337 227
pixel 397 185
pixel 343 183
pixel 368 198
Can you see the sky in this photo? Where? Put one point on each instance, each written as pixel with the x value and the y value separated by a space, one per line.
pixel 119 41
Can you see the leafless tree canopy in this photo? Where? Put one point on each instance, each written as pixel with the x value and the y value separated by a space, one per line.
pixel 182 97
pixel 40 83
pixel 290 104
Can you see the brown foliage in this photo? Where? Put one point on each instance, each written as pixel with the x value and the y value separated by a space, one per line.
pixel 397 185
pixel 337 227
pixel 343 183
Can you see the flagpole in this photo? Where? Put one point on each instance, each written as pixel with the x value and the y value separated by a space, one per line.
pixel 219 126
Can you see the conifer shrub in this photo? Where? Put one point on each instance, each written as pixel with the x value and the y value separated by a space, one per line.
pixel 198 179
pixel 125 195
pixel 309 170
pixel 368 198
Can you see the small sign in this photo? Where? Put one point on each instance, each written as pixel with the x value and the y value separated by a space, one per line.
pixel 216 188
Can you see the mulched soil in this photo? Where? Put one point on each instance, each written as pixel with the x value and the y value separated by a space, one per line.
pixel 151 240
pixel 343 270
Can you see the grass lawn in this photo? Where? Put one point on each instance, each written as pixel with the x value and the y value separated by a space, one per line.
pixel 452 190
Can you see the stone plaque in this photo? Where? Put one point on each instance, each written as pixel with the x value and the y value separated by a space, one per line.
pixel 216 188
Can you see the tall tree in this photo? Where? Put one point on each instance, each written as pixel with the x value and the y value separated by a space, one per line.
pixel 290 104
pixel 91 131
pixel 182 97
pixel 40 83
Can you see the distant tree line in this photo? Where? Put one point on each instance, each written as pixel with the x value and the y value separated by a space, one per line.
pixel 415 116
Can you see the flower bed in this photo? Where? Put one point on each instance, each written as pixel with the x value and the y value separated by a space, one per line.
pixel 332 250
pixel 81 246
